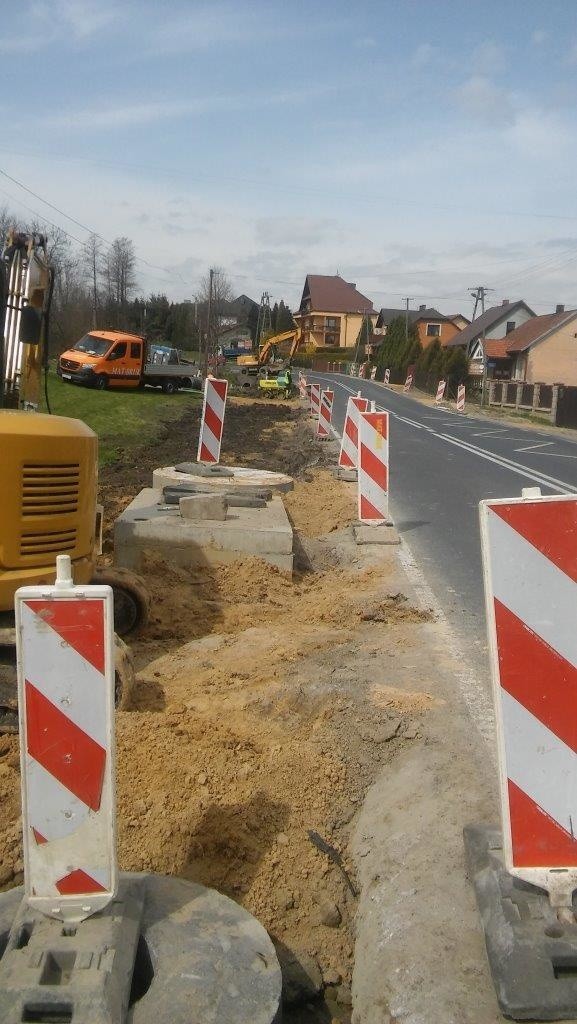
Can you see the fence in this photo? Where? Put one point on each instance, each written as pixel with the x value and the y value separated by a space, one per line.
pixel 534 398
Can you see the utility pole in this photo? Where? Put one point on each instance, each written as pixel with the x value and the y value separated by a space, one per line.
pixel 208 324
pixel 479 293
pixel 406 301
pixel 264 318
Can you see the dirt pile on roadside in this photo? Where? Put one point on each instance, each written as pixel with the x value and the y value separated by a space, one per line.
pixel 319 504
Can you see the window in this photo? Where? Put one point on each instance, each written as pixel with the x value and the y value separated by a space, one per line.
pixel 510 326
pixel 118 352
pixel 135 350
pixel 332 339
pixel 331 323
pixel 433 331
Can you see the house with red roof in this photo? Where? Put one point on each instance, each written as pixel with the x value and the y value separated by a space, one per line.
pixel 544 349
pixel 332 312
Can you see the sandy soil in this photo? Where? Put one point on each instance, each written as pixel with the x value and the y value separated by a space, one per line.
pixel 266 706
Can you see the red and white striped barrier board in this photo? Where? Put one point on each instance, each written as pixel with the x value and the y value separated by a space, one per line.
pixel 408 383
pixel 349 453
pixel 65 649
pixel 440 391
pixel 362 370
pixel 530 567
pixel 373 470
pixel 212 422
pixel 325 414
pixel 461 398
pixel 315 400
pixel 387 377
pixel 374 373
pixel 302 386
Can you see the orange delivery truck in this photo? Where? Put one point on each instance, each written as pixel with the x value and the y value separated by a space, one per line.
pixel 115 359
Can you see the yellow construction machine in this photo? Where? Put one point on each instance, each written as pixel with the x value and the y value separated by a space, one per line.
pixel 49 475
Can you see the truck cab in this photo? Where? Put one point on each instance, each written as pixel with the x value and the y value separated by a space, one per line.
pixel 103 359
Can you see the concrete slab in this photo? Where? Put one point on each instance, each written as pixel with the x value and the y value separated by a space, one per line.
pixel 148 525
pixel 203 506
pixel 347 475
pixel 240 475
pixel 384 534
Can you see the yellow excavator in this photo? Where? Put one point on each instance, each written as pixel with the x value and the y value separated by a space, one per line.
pixel 49 475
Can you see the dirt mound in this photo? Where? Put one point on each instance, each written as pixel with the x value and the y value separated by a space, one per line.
pixel 320 504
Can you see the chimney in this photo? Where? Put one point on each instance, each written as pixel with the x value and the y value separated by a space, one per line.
pixel 559 308
pixel 505 302
pixel 422 308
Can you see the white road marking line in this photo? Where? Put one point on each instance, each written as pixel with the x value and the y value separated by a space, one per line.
pixel 499 460
pixel 491 433
pixel 531 447
pixel 513 467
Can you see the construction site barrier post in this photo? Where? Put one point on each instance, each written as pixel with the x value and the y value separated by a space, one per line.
pixel 65 649
pixel 212 420
pixel 349 453
pixel 461 398
pixel 408 383
pixel 325 415
pixel 530 575
pixel 525 873
pixel 373 373
pixel 373 469
pixel 387 376
pixel 440 391
pixel 315 400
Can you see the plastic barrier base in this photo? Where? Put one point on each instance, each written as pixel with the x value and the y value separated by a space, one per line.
pixel 166 951
pixel 533 958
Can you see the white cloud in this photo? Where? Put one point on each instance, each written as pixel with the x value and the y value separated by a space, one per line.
pixel 284 232
pixel 85 17
pixel 489 58
pixel 538 36
pixel 114 116
pixel 56 20
pixel 366 43
pixel 423 55
pixel 481 98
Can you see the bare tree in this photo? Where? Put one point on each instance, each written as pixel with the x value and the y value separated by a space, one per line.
pixel 91 262
pixel 215 310
pixel 122 260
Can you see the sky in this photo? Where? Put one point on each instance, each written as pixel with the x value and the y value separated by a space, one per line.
pixel 419 148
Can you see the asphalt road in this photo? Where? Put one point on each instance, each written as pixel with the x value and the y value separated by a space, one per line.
pixel 442 465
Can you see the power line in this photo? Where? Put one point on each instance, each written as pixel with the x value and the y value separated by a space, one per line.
pixel 79 224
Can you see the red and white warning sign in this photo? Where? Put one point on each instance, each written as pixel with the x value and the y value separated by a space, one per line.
pixel 530 567
pixel 212 422
pixel 387 376
pixel 315 400
pixel 461 398
pixel 302 386
pixel 349 453
pixel 65 648
pixel 373 373
pixel 325 414
pixel 373 469
pixel 440 391
pixel 408 383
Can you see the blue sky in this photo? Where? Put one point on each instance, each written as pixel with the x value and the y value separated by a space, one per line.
pixel 417 147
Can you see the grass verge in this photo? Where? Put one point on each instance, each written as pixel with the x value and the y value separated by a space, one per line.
pixel 124 420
